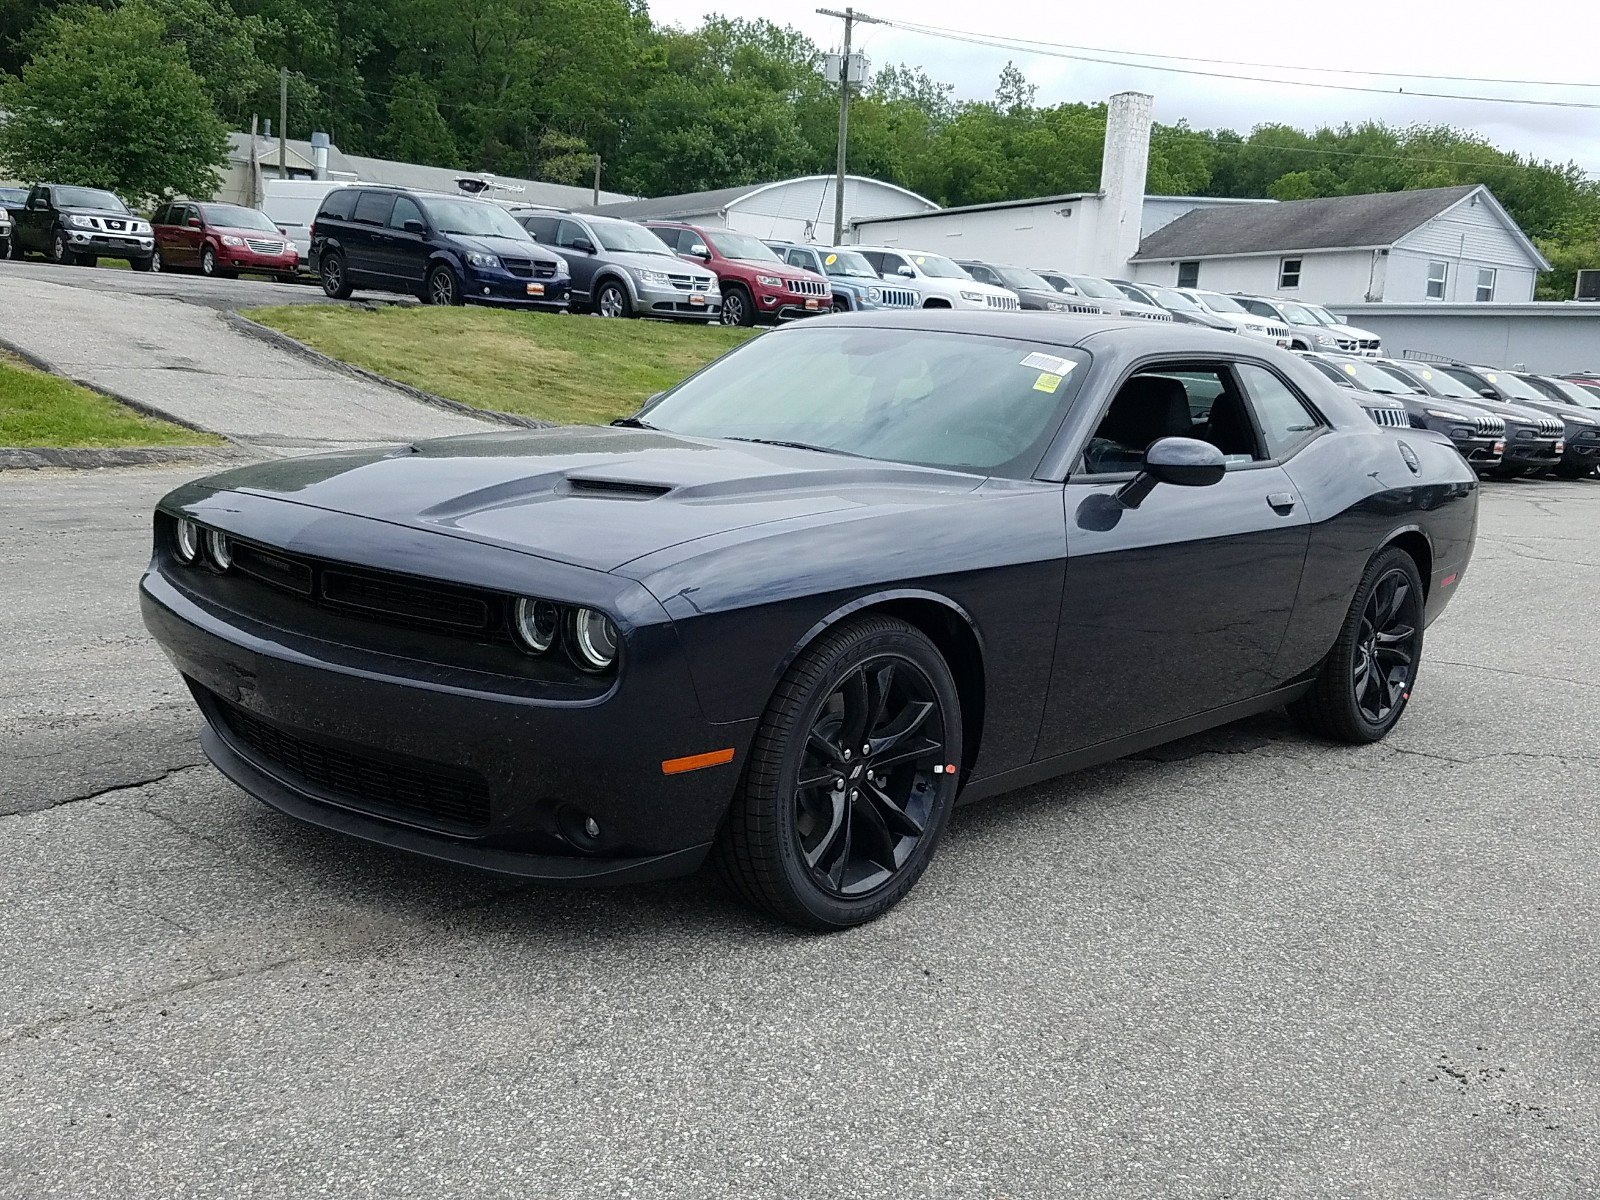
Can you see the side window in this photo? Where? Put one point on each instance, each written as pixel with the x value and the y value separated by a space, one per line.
pixel 569 234
pixel 1199 401
pixel 797 257
pixel 543 229
pixel 1189 274
pixel 161 217
pixel 982 274
pixel 874 259
pixel 669 236
pixel 336 204
pixel 180 214
pixel 1259 307
pixel 892 264
pixel 372 208
pixel 1285 419
pixel 405 209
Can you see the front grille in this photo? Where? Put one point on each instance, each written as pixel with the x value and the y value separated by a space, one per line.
pixel 1488 426
pixel 1372 344
pixel 1389 416
pixel 1009 303
pixel 1152 316
pixel 386 785
pixel 1278 331
pixel 1345 343
pixel 113 224
pixel 264 246
pixel 1550 427
pixel 690 283
pixel 807 287
pixel 898 298
pixel 1088 310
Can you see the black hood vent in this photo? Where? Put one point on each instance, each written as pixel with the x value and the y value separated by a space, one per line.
pixel 616 489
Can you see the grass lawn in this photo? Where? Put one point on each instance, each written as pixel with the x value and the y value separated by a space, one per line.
pixel 38 409
pixel 570 369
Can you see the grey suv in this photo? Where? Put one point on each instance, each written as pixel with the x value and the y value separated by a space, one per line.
pixel 620 269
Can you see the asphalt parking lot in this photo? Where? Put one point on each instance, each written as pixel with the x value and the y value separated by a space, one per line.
pixel 1245 965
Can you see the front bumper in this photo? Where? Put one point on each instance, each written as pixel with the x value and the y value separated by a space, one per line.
pixel 664 300
pixel 359 734
pixel 242 258
pixel 109 245
pixel 487 285
pixel 1583 449
pixel 1536 451
pixel 781 306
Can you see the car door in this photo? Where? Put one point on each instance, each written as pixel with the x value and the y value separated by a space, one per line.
pixel 896 266
pixel 580 262
pixel 187 239
pixel 402 252
pixel 361 235
pixel 1178 607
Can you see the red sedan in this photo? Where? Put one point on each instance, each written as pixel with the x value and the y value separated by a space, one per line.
pixel 221 240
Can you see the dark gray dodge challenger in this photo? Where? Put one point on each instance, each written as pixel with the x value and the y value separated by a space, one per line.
pixel 801 605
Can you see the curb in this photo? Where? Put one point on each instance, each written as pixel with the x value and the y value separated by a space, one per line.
pixel 283 341
pixel 40 457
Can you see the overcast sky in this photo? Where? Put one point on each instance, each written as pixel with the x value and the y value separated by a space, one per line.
pixel 1532 40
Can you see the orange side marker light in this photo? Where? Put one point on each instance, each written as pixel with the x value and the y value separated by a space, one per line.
pixel 697 762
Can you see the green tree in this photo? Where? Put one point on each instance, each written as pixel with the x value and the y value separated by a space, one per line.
pixel 416 131
pixel 106 101
pixel 1296 185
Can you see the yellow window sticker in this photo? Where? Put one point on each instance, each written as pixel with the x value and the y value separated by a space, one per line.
pixel 1427 374
pixel 920 261
pixel 1047 382
pixel 831 259
pixel 1349 369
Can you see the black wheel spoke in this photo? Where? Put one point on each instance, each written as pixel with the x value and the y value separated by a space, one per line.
pixel 895 818
pixel 1386 646
pixel 824 749
pixel 833 847
pixel 869 826
pixel 857 696
pixel 909 720
pixel 909 750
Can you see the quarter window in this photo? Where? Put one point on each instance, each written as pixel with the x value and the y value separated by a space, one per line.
pixel 1289 273
pixel 670 237
pixel 372 208
pixel 336 206
pixel 892 264
pixel 1285 419
pixel 1438 277
pixel 1485 284
pixel 543 229
pixel 1189 274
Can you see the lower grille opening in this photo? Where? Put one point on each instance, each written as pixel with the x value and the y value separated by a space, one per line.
pixel 382 784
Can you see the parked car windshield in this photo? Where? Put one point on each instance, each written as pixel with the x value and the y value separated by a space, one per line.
pixel 1573 394
pixel 473 218
pixel 77 197
pixel 636 239
pixel 936 266
pixel 1375 379
pixel 1090 286
pixel 1296 315
pixel 1176 301
pixel 1323 316
pixel 848 263
pixel 14 195
pixel 1020 277
pixel 1444 383
pixel 960 401
pixel 236 216
pixel 1513 386
pixel 1217 302
pixel 741 247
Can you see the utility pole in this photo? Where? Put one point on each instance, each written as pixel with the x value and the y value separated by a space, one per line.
pixel 283 122
pixel 597 181
pixel 850 16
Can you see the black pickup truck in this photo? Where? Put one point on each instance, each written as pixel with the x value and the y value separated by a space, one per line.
pixel 80 225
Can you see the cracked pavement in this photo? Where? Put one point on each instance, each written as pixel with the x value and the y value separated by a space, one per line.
pixel 1241 965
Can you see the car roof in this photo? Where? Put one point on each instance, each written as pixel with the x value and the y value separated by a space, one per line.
pixel 1134 334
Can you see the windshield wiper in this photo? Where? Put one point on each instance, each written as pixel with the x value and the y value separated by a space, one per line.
pixel 794 445
pixel 632 423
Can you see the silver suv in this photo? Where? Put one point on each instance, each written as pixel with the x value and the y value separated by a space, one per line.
pixel 620 269
pixel 1305 331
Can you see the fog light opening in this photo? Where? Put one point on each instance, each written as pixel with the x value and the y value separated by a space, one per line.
pixel 579 828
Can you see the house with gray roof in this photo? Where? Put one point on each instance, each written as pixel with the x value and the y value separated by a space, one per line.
pixel 1453 244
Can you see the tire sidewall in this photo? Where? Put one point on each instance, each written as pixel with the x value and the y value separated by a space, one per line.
pixel 337 285
pixel 737 308
pixel 607 286
pixel 59 251
pixel 827 910
pixel 455 287
pixel 1384 562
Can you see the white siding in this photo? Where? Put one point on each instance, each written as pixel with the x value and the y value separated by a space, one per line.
pixel 1335 277
pixel 1055 235
pixel 1467 236
pixel 801 210
pixel 1408 277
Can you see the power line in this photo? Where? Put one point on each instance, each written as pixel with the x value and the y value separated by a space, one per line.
pixel 1044 49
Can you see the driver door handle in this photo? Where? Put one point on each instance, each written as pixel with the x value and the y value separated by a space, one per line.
pixel 1281 502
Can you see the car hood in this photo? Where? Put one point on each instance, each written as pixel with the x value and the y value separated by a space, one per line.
pixel 498 246
pixel 669 261
pixel 1350 331
pixel 592 497
pixel 114 214
pixel 239 231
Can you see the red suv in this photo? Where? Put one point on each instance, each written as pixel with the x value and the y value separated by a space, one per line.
pixel 757 285
pixel 221 240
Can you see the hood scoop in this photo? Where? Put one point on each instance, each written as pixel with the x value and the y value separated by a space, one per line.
pixel 615 489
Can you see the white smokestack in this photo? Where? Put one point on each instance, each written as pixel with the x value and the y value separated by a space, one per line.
pixel 319 155
pixel 1123 170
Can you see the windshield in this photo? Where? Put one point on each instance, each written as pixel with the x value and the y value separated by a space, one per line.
pixel 1444 383
pixel 1375 379
pixel 474 218
pixel 1090 286
pixel 1019 277
pixel 236 216
pixel 847 262
pixel 624 235
pixel 1512 386
pixel 1060 282
pixel 1217 302
pixel 936 266
pixel 1176 301
pixel 1573 394
pixel 1296 315
pixel 14 195
pixel 1323 316
pixel 981 404
pixel 741 246
pixel 77 197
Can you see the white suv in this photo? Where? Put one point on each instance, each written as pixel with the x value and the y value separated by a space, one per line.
pixel 1231 311
pixel 938 282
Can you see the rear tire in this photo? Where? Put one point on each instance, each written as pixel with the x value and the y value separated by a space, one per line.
pixel 1365 683
pixel 90 260
pixel 335 280
pixel 156 264
pixel 840 807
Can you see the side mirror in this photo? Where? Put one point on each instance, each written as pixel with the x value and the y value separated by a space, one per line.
pixel 193 223
pixel 700 250
pixel 415 226
pixel 583 245
pixel 1184 462
pixel 905 272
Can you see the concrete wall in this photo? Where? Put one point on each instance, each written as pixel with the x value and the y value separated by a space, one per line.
pixel 1335 277
pixel 1123 167
pixel 801 210
pixel 1544 337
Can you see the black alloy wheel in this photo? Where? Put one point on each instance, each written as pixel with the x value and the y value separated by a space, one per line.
pixel 612 300
pixel 1365 682
pixel 736 307
pixel 442 287
pixel 335 283
pixel 850 779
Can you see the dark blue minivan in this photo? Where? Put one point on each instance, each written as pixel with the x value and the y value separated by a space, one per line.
pixel 445 249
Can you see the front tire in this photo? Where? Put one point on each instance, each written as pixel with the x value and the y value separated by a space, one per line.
pixel 335 280
pixel 59 252
pixel 737 308
pixel 442 288
pixel 850 779
pixel 156 264
pixel 612 300
pixel 1365 682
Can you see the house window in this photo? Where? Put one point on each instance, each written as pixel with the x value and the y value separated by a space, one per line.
pixel 1486 283
pixel 1438 274
pixel 1188 274
pixel 1289 273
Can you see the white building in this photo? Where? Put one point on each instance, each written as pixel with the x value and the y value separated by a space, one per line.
pixel 1436 244
pixel 792 210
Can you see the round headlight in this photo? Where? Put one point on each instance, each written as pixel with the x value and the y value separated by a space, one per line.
pixel 535 622
pixel 219 550
pixel 594 639
pixel 186 541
